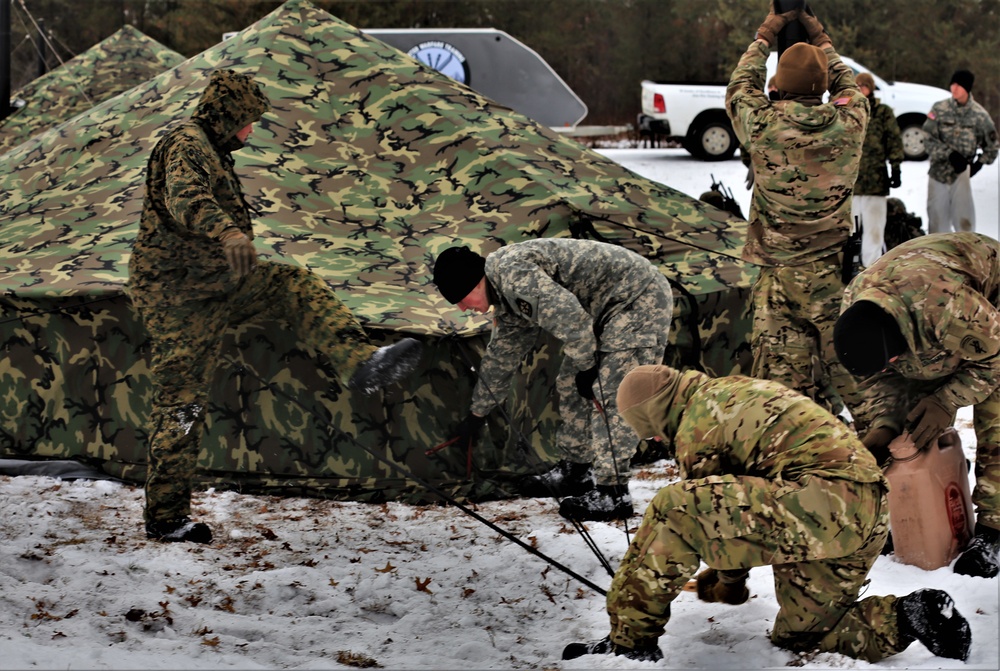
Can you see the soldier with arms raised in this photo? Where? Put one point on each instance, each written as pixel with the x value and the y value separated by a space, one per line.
pixel 805 156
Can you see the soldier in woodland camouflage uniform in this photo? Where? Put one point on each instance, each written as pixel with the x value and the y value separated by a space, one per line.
pixel 194 273
pixel 924 321
pixel 769 478
pixel 805 157
pixel 610 307
pixel 883 143
pixel 956 130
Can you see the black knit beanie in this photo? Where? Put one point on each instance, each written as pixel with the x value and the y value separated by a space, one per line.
pixel 866 337
pixel 963 78
pixel 457 271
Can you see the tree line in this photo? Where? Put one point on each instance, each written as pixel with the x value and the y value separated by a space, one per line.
pixel 601 48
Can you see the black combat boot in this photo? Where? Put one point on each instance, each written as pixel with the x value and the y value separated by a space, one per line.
pixel 179 530
pixel 929 616
pixel 386 365
pixel 566 478
pixel 603 503
pixel 980 559
pixel 647 652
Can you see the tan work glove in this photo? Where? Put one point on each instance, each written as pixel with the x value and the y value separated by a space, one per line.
pixel 814 29
pixel 774 22
pixel 928 419
pixel 723 586
pixel 239 251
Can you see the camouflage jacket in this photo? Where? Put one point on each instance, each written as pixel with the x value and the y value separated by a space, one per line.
pixel 944 291
pixel 580 291
pixel 883 143
pixel 738 425
pixel 192 196
pixel 962 128
pixel 805 161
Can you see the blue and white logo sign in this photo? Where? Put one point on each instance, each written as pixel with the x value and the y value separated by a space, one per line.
pixel 444 58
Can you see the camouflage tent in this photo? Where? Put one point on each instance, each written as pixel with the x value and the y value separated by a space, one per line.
pixel 368 165
pixel 108 68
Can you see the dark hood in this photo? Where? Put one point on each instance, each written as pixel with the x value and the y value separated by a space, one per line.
pixel 231 101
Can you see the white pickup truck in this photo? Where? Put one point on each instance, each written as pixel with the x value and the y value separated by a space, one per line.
pixel 695 114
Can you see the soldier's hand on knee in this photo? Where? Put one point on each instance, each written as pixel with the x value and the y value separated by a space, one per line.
pixel 239 251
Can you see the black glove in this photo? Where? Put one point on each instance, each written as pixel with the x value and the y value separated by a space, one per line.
pixel 585 380
pixel 468 430
pixel 928 419
pixel 958 162
pixel 774 22
pixel 975 167
pixel 723 586
pixel 896 180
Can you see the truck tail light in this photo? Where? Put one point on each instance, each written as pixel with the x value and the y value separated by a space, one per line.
pixel 659 105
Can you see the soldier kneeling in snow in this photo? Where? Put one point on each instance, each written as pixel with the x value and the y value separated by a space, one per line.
pixel 768 478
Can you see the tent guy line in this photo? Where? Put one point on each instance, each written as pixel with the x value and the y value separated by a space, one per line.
pixel 522 439
pixel 243 369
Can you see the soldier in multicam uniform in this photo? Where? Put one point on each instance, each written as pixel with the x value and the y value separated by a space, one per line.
pixel 769 478
pixel 805 157
pixel 883 143
pixel 924 321
pixel 610 307
pixel 955 131
pixel 194 273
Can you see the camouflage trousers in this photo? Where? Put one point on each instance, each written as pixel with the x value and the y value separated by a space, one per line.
pixel 603 439
pixel 795 309
pixel 821 536
pixel 186 343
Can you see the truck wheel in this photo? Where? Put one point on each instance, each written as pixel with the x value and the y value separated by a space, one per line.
pixel 912 131
pixel 713 141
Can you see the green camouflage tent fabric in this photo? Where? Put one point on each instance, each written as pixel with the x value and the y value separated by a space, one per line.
pixel 113 66
pixel 368 165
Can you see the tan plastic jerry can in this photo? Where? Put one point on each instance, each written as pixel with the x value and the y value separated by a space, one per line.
pixel 930 507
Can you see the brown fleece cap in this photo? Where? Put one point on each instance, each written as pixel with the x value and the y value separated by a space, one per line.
pixel 802 70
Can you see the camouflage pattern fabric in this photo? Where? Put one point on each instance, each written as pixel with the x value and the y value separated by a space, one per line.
pixel 185 342
pixel 608 306
pixel 367 166
pixel 768 478
pixel 963 128
pixel 944 291
pixel 795 309
pixel 883 144
pixel 124 60
pixel 805 160
pixel 192 196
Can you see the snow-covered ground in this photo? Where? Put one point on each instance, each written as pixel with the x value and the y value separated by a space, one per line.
pixel 293 583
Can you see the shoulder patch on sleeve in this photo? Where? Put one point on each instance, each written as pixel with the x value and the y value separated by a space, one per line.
pixel 525 308
pixel 841 101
